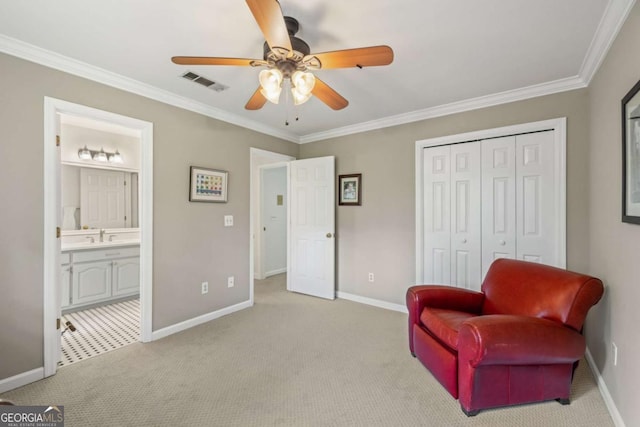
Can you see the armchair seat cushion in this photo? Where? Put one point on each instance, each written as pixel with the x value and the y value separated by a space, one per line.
pixel 444 324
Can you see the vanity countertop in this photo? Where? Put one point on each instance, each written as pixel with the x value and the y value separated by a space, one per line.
pixel 84 246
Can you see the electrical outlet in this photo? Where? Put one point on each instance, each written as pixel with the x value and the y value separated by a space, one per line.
pixel 230 282
pixel 614 351
pixel 228 220
pixel 371 277
pixel 205 287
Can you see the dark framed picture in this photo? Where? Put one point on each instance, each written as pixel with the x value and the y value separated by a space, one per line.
pixel 349 189
pixel 631 156
pixel 208 185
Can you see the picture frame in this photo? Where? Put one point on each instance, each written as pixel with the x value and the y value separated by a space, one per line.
pixel 631 156
pixel 350 189
pixel 208 185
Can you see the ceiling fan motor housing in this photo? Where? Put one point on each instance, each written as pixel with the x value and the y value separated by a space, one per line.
pixel 287 62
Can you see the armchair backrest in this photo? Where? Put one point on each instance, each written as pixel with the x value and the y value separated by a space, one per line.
pixel 531 289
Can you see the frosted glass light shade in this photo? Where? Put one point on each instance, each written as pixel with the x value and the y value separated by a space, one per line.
pixel 299 98
pixel 303 82
pixel 115 158
pixel 100 156
pixel 84 153
pixel 271 83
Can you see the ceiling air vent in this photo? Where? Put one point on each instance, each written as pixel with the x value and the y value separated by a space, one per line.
pixel 218 87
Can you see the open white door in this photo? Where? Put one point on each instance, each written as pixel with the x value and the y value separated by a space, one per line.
pixel 311 249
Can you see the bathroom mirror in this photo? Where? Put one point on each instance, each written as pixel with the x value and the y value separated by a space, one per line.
pixel 94 198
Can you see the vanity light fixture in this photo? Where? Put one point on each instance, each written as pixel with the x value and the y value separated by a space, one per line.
pixel 100 156
pixel 84 153
pixel 115 158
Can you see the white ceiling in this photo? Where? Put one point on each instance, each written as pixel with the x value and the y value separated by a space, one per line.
pixel 449 54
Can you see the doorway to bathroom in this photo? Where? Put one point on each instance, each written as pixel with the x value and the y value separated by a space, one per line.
pixel 98 196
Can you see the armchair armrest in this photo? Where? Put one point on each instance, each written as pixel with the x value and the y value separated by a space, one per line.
pixel 447 297
pixel 518 340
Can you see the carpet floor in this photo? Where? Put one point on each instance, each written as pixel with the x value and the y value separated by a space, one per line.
pixel 290 360
pixel 99 330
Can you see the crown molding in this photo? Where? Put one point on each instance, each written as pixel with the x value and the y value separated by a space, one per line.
pixel 63 63
pixel 528 92
pixel 610 24
pixel 612 20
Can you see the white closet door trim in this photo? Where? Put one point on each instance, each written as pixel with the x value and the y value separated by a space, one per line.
pixel 559 126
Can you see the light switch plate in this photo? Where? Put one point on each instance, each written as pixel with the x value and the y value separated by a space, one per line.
pixel 228 220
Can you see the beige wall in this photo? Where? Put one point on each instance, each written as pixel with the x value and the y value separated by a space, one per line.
pixel 615 246
pixel 379 236
pixel 190 243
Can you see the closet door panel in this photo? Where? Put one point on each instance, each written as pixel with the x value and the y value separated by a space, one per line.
pixel 498 200
pixel 466 267
pixel 437 215
pixel 536 198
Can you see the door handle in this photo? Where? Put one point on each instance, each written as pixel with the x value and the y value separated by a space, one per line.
pixel 329 235
pixel 502 243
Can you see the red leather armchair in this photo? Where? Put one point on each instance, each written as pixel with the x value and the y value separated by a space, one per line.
pixel 516 341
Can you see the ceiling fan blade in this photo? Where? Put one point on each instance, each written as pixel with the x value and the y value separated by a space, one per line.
pixel 360 57
pixel 206 60
pixel 257 101
pixel 329 96
pixel 268 15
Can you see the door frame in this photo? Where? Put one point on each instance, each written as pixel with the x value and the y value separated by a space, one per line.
pixel 262 273
pixel 258 158
pixel 52 192
pixel 558 126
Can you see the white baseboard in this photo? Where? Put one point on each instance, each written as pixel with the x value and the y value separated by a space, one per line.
pixel 21 379
pixel 604 391
pixel 274 272
pixel 373 302
pixel 179 327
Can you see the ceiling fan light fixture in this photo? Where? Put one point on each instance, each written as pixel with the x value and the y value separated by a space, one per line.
pixel 298 97
pixel 303 82
pixel 271 83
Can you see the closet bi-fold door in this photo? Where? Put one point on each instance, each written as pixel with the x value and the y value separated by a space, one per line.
pixel 452 215
pixel 519 199
pixel 498 200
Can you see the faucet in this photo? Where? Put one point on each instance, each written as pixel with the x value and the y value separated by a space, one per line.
pixel 102 234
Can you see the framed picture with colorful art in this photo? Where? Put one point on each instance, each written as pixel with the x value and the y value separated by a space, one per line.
pixel 208 185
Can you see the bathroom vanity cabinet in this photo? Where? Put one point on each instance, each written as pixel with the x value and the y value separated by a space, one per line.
pixel 91 276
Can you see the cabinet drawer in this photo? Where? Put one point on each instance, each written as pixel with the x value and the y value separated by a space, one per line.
pixel 102 254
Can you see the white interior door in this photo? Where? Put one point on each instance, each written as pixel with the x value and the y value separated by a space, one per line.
pixel 102 199
pixel 466 243
pixel 498 200
pixel 437 214
pixel 311 248
pixel 59 275
pixel 537 198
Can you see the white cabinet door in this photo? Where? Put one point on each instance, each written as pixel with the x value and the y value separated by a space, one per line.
pixel 312 227
pixel 92 282
pixel 65 286
pixel 437 215
pixel 126 276
pixel 466 243
pixel 498 200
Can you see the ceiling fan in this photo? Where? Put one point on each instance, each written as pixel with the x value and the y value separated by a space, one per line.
pixel 288 60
